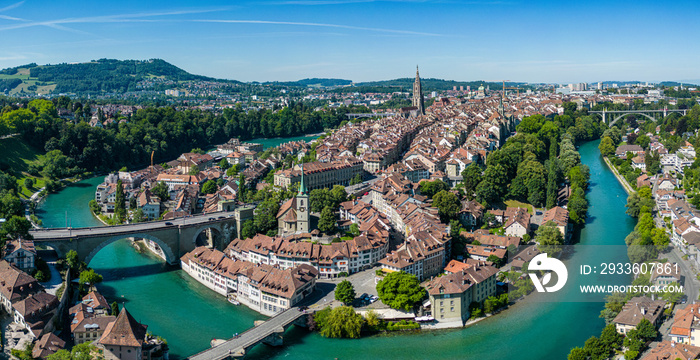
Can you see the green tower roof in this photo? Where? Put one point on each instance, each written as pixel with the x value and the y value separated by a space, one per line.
pixel 302 186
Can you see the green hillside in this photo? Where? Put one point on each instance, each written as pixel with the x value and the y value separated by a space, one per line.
pixel 99 76
pixel 16 156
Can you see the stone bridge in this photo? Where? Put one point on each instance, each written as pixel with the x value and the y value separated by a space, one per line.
pixel 270 332
pixel 175 237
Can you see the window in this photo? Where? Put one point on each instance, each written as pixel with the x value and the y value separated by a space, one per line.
pixel 452 309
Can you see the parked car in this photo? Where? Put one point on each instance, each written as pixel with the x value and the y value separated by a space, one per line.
pixel 168 223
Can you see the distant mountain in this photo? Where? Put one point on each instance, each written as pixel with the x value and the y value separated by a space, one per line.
pixel 314 82
pixel 98 76
pixel 436 84
pixel 677 83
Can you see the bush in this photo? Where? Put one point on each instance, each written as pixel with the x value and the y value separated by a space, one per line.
pixel 402 325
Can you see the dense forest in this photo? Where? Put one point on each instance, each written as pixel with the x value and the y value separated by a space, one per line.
pixel 76 146
pixel 533 164
pixel 106 75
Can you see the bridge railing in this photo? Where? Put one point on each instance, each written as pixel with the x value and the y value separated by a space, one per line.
pixel 156 222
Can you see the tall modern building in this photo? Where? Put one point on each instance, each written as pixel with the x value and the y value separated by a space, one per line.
pixel 418 94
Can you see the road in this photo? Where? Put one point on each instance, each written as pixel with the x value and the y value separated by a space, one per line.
pixel 691 284
pixel 250 337
pixel 65 233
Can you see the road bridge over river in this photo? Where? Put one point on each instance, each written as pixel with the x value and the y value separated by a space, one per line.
pixel 269 332
pixel 174 237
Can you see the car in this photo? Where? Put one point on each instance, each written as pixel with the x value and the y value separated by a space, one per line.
pixel 168 223
pixel 363 296
pixel 210 219
pixel 367 193
pixel 373 298
pixel 222 217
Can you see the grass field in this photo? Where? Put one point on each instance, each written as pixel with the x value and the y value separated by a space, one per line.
pixel 23 74
pixel 15 159
pixel 516 203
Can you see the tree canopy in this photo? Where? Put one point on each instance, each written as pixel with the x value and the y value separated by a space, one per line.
pixel 400 290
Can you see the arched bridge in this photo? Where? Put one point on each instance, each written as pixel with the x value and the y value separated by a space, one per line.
pixel 618 114
pixel 175 237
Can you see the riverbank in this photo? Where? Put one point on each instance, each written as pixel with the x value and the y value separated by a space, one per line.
pixel 625 185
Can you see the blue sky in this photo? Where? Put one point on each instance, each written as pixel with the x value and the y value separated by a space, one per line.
pixel 533 41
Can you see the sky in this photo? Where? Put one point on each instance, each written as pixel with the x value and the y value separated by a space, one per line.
pixel 364 40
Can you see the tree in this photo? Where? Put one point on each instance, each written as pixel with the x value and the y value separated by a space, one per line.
pixel 266 216
pixel 471 177
pixel 161 191
pixel 345 292
pixel 448 205
pixel 120 203
pixel 430 188
pixel 327 222
pixel 578 205
pixel 549 239
pixel 647 330
pixel 610 338
pixel 209 187
pixel 552 188
pixel 497 262
pixel 319 199
pixel 90 277
pixel 193 170
pixel 115 309
pixel 493 185
pixel 28 183
pixel 635 203
pixel 233 171
pixel 16 227
pixel 355 230
pixel 341 322
pixel 578 353
pixel 138 216
pixel 248 229
pixel 224 164
pixel 357 179
pixel 400 290
pixel 606 146
pixel 72 260
pixel 338 195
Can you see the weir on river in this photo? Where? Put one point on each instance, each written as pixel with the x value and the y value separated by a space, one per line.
pixel 188 315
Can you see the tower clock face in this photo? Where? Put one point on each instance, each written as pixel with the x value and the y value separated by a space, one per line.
pixel 302 209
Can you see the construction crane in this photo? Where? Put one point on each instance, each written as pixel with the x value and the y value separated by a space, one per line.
pixel 504 87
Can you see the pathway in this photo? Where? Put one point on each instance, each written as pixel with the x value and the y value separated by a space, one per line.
pixel 619 177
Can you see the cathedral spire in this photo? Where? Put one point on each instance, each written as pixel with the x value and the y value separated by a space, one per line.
pixel 302 186
pixel 418 101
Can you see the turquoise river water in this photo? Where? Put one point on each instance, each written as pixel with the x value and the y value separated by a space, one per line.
pixel 188 315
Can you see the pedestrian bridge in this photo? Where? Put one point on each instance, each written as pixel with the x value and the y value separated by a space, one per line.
pixel 269 332
pixel 174 237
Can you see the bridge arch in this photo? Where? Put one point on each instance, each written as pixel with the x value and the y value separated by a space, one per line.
pixel 169 256
pixel 631 113
pixel 223 230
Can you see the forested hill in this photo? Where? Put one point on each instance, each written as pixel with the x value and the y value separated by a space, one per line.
pixel 100 76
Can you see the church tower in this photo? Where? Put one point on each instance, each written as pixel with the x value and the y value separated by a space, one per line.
pixel 302 206
pixel 418 94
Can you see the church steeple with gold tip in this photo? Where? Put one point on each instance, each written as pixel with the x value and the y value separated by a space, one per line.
pixel 418 100
pixel 302 206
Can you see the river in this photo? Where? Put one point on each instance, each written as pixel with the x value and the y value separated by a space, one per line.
pixel 188 315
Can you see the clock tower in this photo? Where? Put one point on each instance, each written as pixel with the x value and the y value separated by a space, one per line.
pixel 302 206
